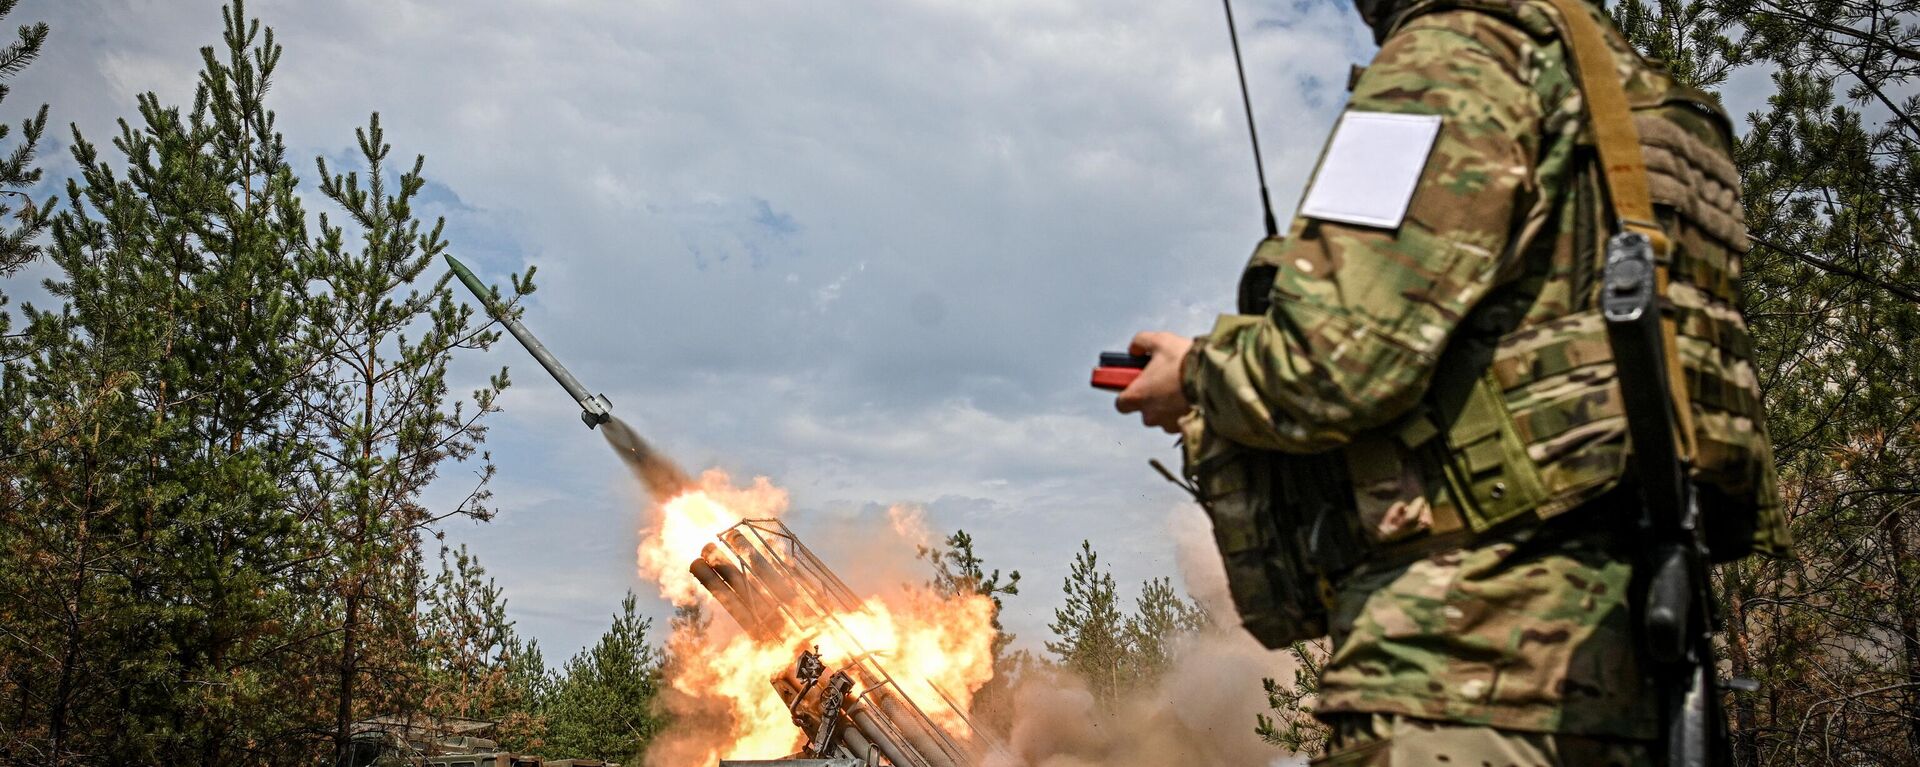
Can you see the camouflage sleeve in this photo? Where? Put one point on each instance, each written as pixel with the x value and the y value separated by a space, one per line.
pixel 1360 315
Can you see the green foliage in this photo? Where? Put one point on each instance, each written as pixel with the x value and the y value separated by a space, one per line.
pixel 1698 54
pixel 20 229
pixel 1832 290
pixel 1090 639
pixel 1161 617
pixel 158 492
pixel 384 420
pixel 602 707
pixel 1115 652
pixel 1292 726
pixel 476 666
pixel 957 569
pixel 216 443
pixel 19 236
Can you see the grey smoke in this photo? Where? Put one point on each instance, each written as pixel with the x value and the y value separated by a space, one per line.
pixel 663 478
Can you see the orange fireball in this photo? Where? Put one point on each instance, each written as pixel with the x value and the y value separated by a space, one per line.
pixel 689 521
pixel 938 651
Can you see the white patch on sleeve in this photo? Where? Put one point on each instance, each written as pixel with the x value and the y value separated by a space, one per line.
pixel 1372 165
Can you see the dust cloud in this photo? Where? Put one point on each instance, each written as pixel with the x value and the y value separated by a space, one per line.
pixel 1200 712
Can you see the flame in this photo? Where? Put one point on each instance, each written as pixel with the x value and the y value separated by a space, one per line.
pixel 931 646
pixel 936 649
pixel 736 672
pixel 688 522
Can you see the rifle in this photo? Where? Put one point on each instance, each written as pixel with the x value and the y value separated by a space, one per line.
pixel 1678 615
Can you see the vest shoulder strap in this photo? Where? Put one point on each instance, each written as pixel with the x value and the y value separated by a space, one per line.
pixel 1624 171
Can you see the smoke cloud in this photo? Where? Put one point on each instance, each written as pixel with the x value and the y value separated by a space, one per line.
pixel 1201 711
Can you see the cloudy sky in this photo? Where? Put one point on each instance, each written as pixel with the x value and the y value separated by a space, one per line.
pixel 867 249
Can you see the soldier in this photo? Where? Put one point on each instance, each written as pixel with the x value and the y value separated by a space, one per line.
pixel 1411 439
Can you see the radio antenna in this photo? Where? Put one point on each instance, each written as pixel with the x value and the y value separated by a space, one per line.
pixel 1259 168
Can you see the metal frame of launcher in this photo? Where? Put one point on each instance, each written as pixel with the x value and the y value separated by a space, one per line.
pixel 775 588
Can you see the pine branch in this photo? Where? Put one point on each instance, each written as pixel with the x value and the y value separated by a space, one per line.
pixel 1909 294
pixel 18 55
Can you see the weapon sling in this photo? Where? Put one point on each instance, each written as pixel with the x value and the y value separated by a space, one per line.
pixel 1676 620
pixel 1625 169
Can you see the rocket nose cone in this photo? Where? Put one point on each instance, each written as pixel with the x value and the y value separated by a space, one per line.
pixel 473 283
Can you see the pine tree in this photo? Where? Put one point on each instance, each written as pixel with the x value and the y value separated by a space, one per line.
pixel 525 687
pixel 381 410
pixel 1832 290
pixel 957 570
pixel 477 667
pixel 1161 617
pixel 19 238
pixel 24 436
pixel 1088 629
pixel 204 463
pixel 1290 725
pixel 603 706
pixel 157 399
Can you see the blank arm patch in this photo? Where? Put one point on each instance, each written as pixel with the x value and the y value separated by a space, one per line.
pixel 1371 168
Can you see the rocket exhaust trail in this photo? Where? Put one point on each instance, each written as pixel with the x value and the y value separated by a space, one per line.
pixel 664 479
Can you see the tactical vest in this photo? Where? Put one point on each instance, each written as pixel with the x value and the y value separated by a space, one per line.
pixel 1523 421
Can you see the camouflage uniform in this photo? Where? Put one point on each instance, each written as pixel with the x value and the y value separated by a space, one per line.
pixel 1521 633
pixel 1382 740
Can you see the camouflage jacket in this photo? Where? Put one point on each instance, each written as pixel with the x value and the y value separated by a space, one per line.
pixel 1361 314
pixel 1523 635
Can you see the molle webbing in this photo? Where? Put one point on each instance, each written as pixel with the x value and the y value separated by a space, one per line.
pixel 1540 429
pixel 1697 179
pixel 1623 161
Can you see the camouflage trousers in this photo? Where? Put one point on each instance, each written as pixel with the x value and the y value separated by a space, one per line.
pixel 1394 740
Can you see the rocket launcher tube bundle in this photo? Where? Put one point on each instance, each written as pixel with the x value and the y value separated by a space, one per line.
pixel 773 586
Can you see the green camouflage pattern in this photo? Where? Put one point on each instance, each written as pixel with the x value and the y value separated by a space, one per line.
pixel 1365 324
pixel 1381 740
pixel 1361 315
pixel 1533 636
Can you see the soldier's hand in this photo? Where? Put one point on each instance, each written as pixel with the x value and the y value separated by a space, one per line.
pixel 1156 395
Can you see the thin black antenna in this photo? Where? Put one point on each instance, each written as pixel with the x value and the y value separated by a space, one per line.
pixel 1266 203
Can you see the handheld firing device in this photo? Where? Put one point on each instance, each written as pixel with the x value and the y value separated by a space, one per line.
pixel 775 588
pixel 1117 370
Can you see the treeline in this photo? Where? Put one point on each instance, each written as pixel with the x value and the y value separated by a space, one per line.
pixel 213 544
pixel 1097 641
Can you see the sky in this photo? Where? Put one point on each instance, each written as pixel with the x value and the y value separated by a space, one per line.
pixel 868 250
